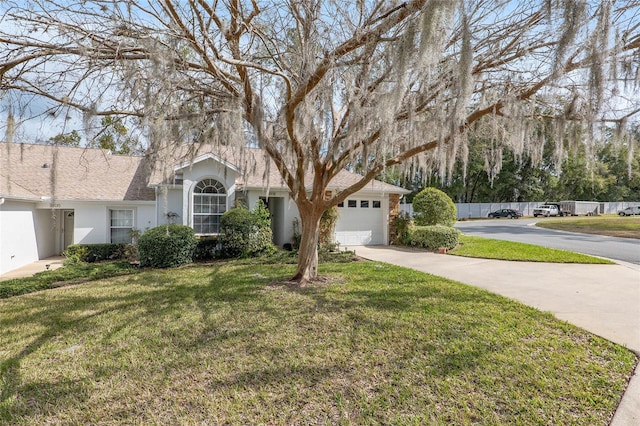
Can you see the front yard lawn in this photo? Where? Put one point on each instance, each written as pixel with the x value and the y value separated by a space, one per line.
pixel 231 344
pixel 71 273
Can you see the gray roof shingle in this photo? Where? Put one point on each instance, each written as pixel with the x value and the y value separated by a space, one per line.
pixel 257 171
pixel 34 171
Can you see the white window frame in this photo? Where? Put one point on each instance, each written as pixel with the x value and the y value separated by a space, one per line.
pixel 218 195
pixel 112 227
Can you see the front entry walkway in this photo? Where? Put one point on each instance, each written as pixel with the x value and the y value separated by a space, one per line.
pixel 603 299
pixel 33 268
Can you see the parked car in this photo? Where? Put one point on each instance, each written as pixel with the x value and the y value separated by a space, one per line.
pixel 508 213
pixel 630 211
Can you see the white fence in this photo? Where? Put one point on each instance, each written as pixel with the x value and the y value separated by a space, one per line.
pixel 479 210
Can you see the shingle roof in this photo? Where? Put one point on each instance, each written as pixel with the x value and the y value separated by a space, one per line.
pixel 33 171
pixel 258 171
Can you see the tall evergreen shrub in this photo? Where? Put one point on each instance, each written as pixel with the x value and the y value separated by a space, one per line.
pixel 433 207
pixel 167 246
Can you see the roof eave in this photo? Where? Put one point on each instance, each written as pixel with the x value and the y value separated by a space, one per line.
pixel 207 156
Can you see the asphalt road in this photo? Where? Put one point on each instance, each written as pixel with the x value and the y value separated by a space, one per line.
pixel 524 231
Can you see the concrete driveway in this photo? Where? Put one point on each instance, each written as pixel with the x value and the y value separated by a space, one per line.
pixel 603 299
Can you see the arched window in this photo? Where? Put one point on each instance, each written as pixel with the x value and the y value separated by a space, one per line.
pixel 209 203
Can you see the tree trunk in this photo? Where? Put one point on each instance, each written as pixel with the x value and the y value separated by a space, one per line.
pixel 308 250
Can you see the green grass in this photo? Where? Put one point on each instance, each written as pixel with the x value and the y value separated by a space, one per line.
pixel 507 250
pixel 68 274
pixel 614 226
pixel 80 272
pixel 230 344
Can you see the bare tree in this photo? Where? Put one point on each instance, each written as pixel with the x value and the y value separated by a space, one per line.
pixel 326 84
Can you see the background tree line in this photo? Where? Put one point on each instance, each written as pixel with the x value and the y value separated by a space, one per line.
pixel 610 173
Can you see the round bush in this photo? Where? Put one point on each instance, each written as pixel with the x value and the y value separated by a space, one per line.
pixel 235 227
pixel 245 233
pixel 434 236
pixel 167 246
pixel 433 207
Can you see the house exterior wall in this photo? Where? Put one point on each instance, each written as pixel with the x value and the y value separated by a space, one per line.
pixel 30 231
pixel 169 201
pixel 145 217
pixel 206 169
pixel 345 224
pixel 46 228
pixel 286 212
pixel 92 219
pixel 18 244
pixel 90 224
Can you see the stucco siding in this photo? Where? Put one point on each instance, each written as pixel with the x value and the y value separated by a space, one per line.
pixel 92 220
pixel 206 169
pixel 90 225
pixel 46 231
pixel 18 246
pixel 145 217
pixel 169 201
pixel 283 212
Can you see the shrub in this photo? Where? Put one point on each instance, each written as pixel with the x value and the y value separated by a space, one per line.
pixel 245 233
pixel 167 246
pixel 402 224
pixel 433 207
pixel 433 237
pixel 261 215
pixel 75 253
pixel 94 252
pixel 206 249
pixel 235 227
pixel 131 253
pixel 131 250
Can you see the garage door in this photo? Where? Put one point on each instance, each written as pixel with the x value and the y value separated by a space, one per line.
pixel 360 222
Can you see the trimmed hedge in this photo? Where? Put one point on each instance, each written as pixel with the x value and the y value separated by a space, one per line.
pixel 167 246
pixel 433 207
pixel 95 252
pixel 435 236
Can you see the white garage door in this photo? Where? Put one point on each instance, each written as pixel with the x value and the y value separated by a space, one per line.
pixel 360 222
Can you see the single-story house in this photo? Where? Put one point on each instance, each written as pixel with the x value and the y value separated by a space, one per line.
pixel 53 196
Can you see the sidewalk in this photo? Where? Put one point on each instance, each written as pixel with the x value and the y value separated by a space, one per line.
pixel 603 299
pixel 33 268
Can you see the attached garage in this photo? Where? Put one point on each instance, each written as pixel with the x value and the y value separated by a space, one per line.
pixel 362 221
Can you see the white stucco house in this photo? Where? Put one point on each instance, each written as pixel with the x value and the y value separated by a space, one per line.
pixel 54 196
